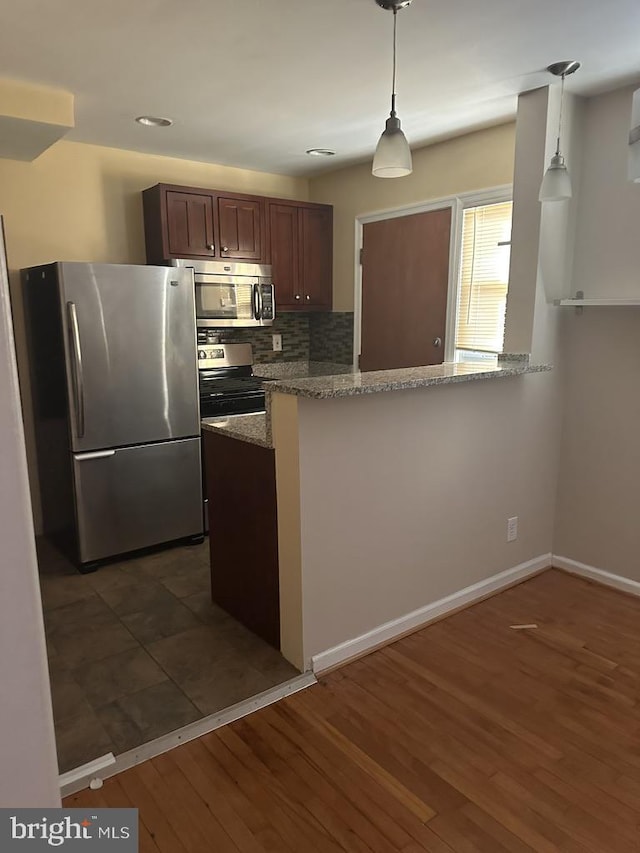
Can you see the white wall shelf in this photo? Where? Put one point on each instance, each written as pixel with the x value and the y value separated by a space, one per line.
pixel 579 301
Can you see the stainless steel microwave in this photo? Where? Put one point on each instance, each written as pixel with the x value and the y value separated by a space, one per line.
pixel 232 294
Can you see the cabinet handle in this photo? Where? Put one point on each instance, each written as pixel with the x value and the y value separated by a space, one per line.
pixel 437 342
pixel 308 297
pixel 211 247
pixel 297 296
pixel 225 248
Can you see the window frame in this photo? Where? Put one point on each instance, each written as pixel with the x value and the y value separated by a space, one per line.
pixel 458 204
pixel 464 208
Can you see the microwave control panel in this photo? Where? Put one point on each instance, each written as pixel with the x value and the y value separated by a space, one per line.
pixel 267 302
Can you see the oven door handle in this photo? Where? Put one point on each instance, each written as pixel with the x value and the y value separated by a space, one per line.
pixel 257 302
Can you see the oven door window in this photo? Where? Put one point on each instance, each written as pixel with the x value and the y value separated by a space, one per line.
pixel 223 301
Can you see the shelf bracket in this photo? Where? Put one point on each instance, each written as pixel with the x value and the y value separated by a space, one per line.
pixel 579 308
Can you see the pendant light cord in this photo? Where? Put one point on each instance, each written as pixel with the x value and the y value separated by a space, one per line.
pixel 560 119
pixel 393 84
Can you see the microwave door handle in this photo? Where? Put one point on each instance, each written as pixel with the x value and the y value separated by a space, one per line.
pixel 261 302
pixel 256 301
pixel 76 365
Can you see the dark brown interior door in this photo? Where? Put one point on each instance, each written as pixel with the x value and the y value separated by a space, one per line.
pixel 190 224
pixel 240 224
pixel 405 278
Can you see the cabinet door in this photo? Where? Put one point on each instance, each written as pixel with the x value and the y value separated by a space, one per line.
pixel 240 224
pixel 285 255
pixel 243 533
pixel 190 224
pixel 316 262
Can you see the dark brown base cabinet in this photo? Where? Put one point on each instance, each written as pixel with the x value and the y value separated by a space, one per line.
pixel 295 237
pixel 243 532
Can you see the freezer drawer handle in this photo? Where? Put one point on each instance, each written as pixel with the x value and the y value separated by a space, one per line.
pixel 98 454
pixel 78 381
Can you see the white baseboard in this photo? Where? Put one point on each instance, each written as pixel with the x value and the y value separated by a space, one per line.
pixel 412 621
pixel 599 575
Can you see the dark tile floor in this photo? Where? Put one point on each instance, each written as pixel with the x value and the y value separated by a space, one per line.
pixel 137 650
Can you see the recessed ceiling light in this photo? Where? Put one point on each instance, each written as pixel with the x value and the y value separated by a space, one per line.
pixel 320 152
pixel 154 121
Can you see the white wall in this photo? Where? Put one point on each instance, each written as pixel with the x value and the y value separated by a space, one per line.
pixel 28 766
pixel 406 495
pixel 599 483
pixel 607 248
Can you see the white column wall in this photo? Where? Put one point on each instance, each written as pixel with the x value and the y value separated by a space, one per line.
pixel 28 765
pixel 405 497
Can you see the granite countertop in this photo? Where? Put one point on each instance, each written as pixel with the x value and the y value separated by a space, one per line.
pixel 354 383
pixel 251 428
pixel 310 379
pixel 299 369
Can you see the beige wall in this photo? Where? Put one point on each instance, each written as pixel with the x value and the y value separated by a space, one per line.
pixel 82 203
pixel 28 768
pixel 475 161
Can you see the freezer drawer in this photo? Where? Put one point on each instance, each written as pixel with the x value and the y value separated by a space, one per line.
pixel 134 497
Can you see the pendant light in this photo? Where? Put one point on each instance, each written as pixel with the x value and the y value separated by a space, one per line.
pixel 556 184
pixel 393 155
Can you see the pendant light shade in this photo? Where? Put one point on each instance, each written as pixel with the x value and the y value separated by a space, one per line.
pixel 556 184
pixel 393 155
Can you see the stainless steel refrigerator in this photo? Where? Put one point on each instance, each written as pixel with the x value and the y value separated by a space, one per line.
pixel 113 366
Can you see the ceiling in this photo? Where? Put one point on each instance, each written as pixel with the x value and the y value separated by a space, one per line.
pixel 254 83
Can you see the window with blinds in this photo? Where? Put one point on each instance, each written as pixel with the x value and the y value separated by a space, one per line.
pixel 484 278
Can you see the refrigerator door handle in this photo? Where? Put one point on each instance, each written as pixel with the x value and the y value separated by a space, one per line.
pixel 98 454
pixel 78 381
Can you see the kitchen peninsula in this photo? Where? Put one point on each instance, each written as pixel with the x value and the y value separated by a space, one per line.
pixel 370 470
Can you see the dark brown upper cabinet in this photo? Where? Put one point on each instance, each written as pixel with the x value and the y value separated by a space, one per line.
pixel 241 228
pixel 301 255
pixel 190 222
pixel 316 262
pixel 295 237
pixel 285 254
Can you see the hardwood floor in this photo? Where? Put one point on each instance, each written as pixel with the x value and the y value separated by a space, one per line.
pixel 466 736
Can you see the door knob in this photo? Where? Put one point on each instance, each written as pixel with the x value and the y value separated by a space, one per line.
pixel 210 247
pixel 437 342
pixel 297 296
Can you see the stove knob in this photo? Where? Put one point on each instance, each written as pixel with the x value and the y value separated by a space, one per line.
pixel 202 353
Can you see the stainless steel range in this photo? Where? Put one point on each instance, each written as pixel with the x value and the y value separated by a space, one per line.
pixel 226 381
pixel 227 385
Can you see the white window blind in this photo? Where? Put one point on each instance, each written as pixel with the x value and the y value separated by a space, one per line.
pixel 484 277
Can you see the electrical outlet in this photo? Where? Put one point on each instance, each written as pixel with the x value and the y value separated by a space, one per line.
pixel 512 529
pixel 277 343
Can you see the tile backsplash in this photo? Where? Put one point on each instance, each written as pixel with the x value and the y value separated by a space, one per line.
pixel 331 337
pixel 305 337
